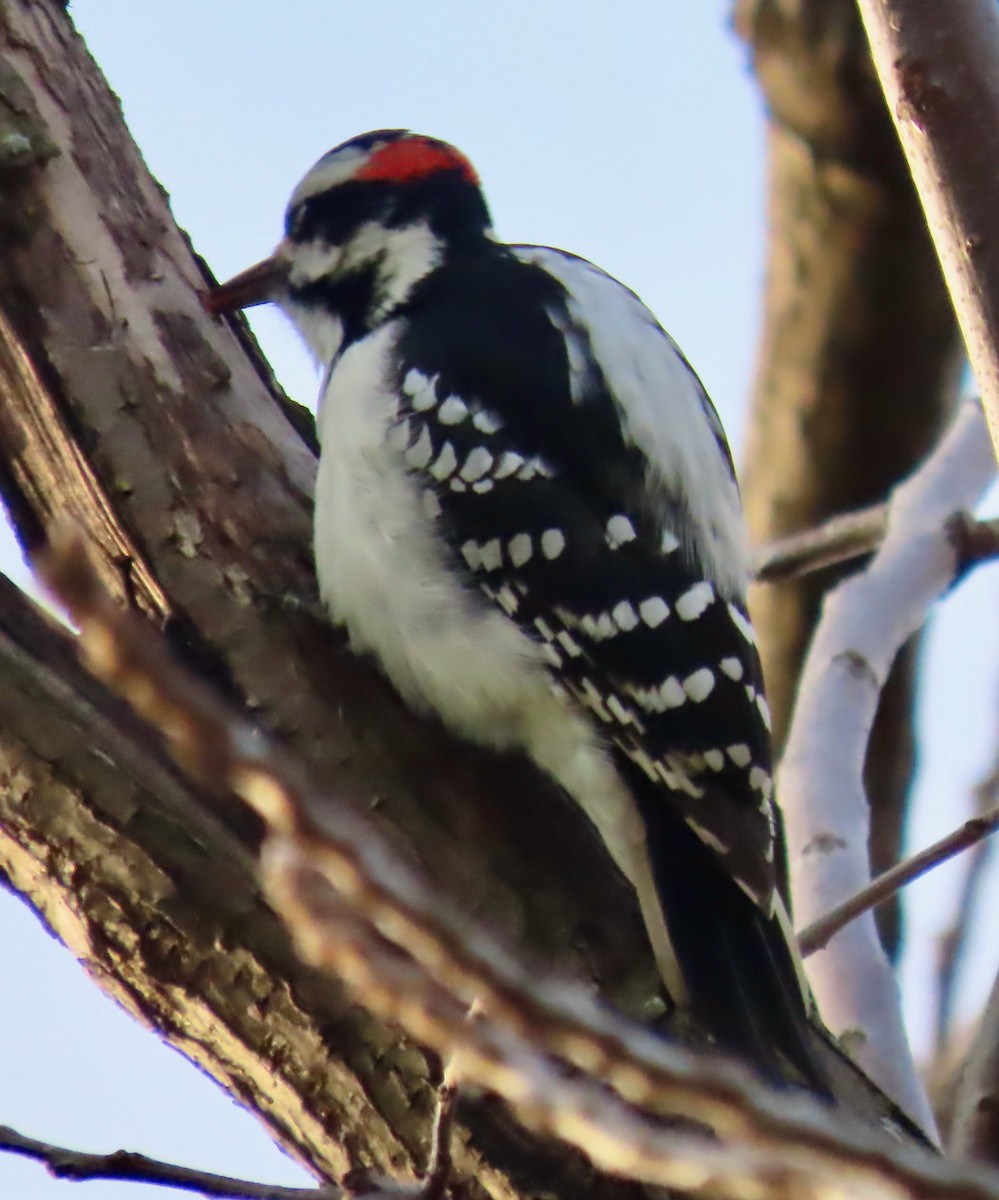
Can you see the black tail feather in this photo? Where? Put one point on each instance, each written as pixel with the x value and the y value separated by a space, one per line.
pixel 735 960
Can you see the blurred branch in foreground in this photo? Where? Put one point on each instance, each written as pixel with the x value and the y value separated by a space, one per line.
pixel 354 907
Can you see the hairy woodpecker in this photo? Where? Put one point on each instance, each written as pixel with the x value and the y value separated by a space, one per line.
pixel 526 510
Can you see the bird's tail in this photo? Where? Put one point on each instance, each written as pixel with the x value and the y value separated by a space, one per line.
pixel 741 975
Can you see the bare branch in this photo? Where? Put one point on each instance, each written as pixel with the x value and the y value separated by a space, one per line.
pixel 865 622
pixel 353 907
pixel 840 539
pixel 852 535
pixel 938 69
pixel 126 1165
pixel 973 831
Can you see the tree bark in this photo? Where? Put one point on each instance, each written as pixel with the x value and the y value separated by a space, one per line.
pixel 860 352
pixel 163 436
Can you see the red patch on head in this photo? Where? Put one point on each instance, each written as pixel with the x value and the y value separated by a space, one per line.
pixel 414 158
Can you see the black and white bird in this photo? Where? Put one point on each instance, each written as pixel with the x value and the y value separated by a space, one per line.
pixel 526 510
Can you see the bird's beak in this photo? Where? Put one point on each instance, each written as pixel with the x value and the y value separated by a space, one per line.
pixel 256 285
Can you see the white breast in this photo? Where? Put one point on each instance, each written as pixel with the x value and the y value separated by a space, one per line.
pixel 385 574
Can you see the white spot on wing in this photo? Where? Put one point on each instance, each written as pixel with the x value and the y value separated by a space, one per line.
pixel 420 390
pixel 470 553
pixel 699 685
pixel 507 599
pixel 619 531
pixel 552 543
pixel 569 644
pixel 510 462
pixel 761 704
pixel 760 781
pixel 715 759
pixel 739 754
pixel 669 543
pixel 625 617
pixel 732 667
pixel 672 692
pixel 742 624
pixel 694 601
pixel 619 711
pixel 445 463
pixel 491 555
pixel 520 549
pixel 482 486
pixel 595 701
pixel 477 464
pixel 486 422
pixel 452 411
pixel 654 611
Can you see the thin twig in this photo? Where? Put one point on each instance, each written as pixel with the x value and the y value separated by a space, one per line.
pixel 126 1165
pixel 852 535
pixel 840 539
pixel 819 933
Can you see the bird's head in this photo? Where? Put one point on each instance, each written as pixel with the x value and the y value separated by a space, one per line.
pixel 373 216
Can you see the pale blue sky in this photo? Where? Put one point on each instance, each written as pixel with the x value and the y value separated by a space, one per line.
pixel 632 136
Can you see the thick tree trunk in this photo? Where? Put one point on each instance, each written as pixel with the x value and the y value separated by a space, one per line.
pixel 160 433
pixel 860 352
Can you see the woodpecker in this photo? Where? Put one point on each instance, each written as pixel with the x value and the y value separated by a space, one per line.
pixel 527 512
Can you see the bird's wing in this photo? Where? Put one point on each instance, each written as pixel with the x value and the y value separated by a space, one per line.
pixel 586 488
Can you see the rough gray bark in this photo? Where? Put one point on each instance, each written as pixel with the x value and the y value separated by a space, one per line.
pixel 860 351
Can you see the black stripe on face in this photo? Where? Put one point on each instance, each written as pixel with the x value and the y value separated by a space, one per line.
pixel 350 298
pixel 332 217
pixel 451 206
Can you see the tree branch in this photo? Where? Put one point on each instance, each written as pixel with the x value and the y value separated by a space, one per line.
pixel 840 539
pixel 819 933
pixel 853 535
pixel 940 75
pixel 820 782
pixel 126 1165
